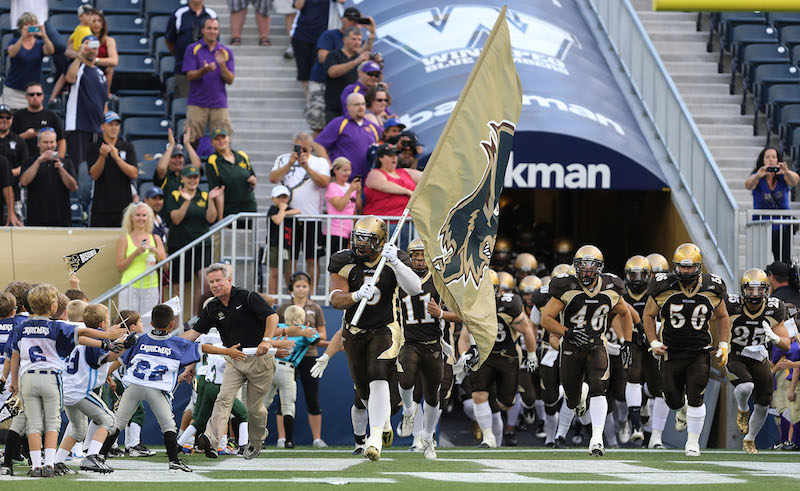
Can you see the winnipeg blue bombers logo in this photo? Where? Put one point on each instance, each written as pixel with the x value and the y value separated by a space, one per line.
pixel 468 234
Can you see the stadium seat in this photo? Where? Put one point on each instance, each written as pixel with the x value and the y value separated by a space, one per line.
pixel 66 7
pixel 790 36
pixel 147 168
pixel 125 24
pixel 142 106
pixel 178 109
pixel 135 72
pixel 755 55
pixel 5 6
pixel 796 55
pixel 777 96
pixel 165 7
pixel 160 49
pixel 746 35
pixel 789 121
pixel 138 128
pixel 765 76
pixel 157 24
pixel 5 25
pixel 783 19
pixel 724 22
pixel 149 149
pixel 76 211
pixel 119 6
pixel 795 148
pixel 166 68
pixel 132 44
pixel 64 23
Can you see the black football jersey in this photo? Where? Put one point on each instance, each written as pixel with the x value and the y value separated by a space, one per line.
pixel 637 302
pixel 418 324
pixel 381 310
pixel 747 328
pixel 509 307
pixel 686 314
pixel 587 310
pixel 539 299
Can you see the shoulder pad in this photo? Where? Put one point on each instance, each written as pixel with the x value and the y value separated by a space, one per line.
pixel 339 260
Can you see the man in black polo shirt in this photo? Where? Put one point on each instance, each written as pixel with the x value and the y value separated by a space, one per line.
pixel 341 69
pixel 7 188
pixel 13 148
pixel 112 165
pixel 183 29
pixel 245 319
pixel 778 273
pixel 49 180
pixel 27 122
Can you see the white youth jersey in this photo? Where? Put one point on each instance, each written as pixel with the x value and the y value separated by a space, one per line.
pixel 43 344
pixel 86 371
pixel 213 365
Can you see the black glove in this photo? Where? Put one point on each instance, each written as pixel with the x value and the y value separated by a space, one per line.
pixel 578 338
pixel 471 356
pixel 626 354
pixel 639 339
pixel 115 346
pixel 129 341
pixel 2 384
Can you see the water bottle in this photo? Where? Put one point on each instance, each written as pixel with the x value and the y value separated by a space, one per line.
pixel 150 261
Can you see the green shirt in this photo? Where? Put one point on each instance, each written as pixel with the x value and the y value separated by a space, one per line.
pixel 238 194
pixel 194 224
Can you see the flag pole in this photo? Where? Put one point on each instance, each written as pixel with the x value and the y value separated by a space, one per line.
pixel 363 303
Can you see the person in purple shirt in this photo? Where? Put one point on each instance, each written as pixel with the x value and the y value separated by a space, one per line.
pixel 351 136
pixel 369 74
pixel 209 67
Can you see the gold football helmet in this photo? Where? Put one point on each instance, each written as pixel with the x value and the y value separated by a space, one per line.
pixel 507 282
pixel 561 269
pixel 658 263
pixel 637 273
pixel 502 250
pixel 526 263
pixel 368 237
pixel 416 249
pixel 530 284
pixel 588 263
pixel 494 279
pixel 562 250
pixel 688 255
pixel 754 285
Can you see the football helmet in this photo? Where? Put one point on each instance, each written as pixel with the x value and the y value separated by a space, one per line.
pixel 688 255
pixel 588 263
pixel 502 250
pixel 563 248
pixel 11 407
pixel 416 249
pixel 506 281
pixel 368 237
pixel 561 269
pixel 754 286
pixel 658 263
pixel 530 284
pixel 526 263
pixel 495 280
pixel 637 273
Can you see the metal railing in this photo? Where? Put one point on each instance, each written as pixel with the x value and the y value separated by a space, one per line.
pixel 765 232
pixel 674 126
pixel 243 241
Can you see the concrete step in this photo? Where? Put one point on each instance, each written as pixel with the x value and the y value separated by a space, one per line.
pixel 688 88
pixel 688 76
pixel 713 109
pixel 666 35
pixel 250 82
pixel 260 69
pixel 645 5
pixel 265 92
pixel 712 97
pixel 284 134
pixel 749 153
pixel 730 140
pixel 696 68
pixel 664 25
pixel 668 55
pixel 727 119
pixel 265 124
pixel 649 15
pixel 681 46
pixel 741 130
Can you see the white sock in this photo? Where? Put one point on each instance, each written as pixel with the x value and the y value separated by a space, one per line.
pixel 497 427
pixel 94 447
pixel 647 393
pixel 586 418
pixel 243 436
pixel 469 409
pixel 550 425
pixel 378 410
pixel 188 433
pixel 538 406
pixel 80 447
pixel 648 427
pixel 408 399
pixel 655 435
pixel 742 394
pixel 223 442
pixel 483 415
pixel 598 409
pixel 359 419
pixel 431 420
pixel 513 413
pixel 659 414
pixel 610 430
pixel 50 456
pixel 36 458
pixel 419 424
pixel 633 395
pixel 565 416
pixel 61 455
pixel 695 416
pixel 756 421
pixel 135 432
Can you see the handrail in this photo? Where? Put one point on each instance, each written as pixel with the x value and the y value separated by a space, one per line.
pixel 710 195
pixel 759 234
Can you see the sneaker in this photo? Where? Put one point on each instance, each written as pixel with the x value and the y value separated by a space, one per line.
pixel 180 465
pixel 138 451
pixel 289 444
pixel 35 472
pixel 319 443
pixel 281 443
pixel 560 442
pixel 406 426
pixel 580 410
pixel 372 453
pixel 692 449
pixel 624 435
pixel 680 419
pixel 251 452
pixel 743 421
pixel 777 446
pixel 48 471
pixel 597 449
pixel 637 435
pixel 6 471
pixel 62 470
pixel 93 464
pixel 204 444
pixel 359 450
pixel 790 446
pixel 116 452
pixel 540 433
pixel 225 450
pixel 416 445
pixel 428 449
pixel 387 437
pixel 187 449
pixel 289 53
pixel 749 446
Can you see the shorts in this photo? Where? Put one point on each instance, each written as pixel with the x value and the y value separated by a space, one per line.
pixel 371 355
pixel 686 372
pixel 576 366
pixel 215 117
pixel 315 106
pixel 425 361
pixel 446 387
pixel 501 368
pixel 283 7
pixel 261 6
pixel 309 240
pixel 273 257
pixel 644 369
pixel 195 259
pixel 782 403
pixel 742 369
pixel 303 58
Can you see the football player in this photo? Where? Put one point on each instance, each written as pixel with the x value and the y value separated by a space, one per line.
pixel 501 368
pixel 583 303
pixel 755 321
pixel 502 254
pixel 525 265
pixel 658 263
pixel 686 300
pixel 421 356
pixel 373 345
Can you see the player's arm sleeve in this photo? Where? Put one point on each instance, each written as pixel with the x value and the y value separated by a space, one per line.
pixel 407 279
pixel 95 356
pixel 193 354
pixel 125 359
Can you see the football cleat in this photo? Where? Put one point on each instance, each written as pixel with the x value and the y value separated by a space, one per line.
pixel 743 421
pixel 789 445
pixel 749 446
pixel 251 452
pixel 406 426
pixel 372 453
pixel 139 451
pixel 93 464
pixel 692 449
pixel 624 434
pixel 429 451
pixel 387 437
pixel 655 444
pixel 48 471
pixel 180 465
pixel 597 449
pixel 62 470
pixel 489 440
pixel 281 443
pixel 289 444
pixel 580 410
pixel 637 435
pixel 416 445
pixel 37 472
pixel 560 442
pixel 6 471
pixel 509 440
pixel 540 433
pixel 187 449
pixel 680 419
pixel 116 452
pixel 359 450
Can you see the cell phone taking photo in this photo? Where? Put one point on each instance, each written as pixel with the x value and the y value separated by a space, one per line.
pixel 363 21
pixel 297 149
pixel 34 29
pixel 773 168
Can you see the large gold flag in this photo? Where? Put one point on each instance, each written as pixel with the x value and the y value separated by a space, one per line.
pixel 455 205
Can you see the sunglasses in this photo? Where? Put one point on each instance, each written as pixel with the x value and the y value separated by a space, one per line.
pixel 374 74
pixel 5 117
pixel 382 100
pixel 34 94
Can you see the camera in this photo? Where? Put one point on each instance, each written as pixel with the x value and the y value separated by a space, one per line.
pixel 363 21
pixel 34 29
pixel 297 149
pixel 773 168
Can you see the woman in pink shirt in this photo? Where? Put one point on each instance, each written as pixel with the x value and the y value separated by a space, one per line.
pixel 342 198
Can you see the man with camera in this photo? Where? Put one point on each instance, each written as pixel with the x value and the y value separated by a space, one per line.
pixel 49 180
pixel 307 177
pixel 87 100
pixel 341 70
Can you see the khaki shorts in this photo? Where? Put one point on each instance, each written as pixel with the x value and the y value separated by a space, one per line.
pixel 283 6
pixel 197 117
pixel 782 403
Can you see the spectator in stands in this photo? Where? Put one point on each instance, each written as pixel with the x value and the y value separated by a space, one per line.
pixel 107 56
pixel 378 101
pixel 392 128
pixel 209 67
pixel 26 52
pixel 410 150
pixel 7 188
pixel 341 68
pixel 113 166
pixel 183 29
pixel 342 198
pixel 239 14
pixel 350 135
pixel 49 179
pixel 230 170
pixel 28 121
pixel 83 29
pixel 154 197
pixel 771 181
pixel 778 274
pixel 279 213
pixel 369 73
pixel 168 172
pixel 13 148
pixel 307 176
pixel 137 250
pixel 87 100
pixel 311 23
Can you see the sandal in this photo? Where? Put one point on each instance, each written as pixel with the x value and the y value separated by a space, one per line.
pixel 235 41
pixel 264 42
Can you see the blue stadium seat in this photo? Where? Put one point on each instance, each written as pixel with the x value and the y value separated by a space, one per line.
pixel 166 68
pixel 135 72
pixel 755 55
pixel 148 150
pixel 796 55
pixel 746 35
pixel 766 76
pixel 795 142
pixel 132 44
pixel 783 19
pixel 119 6
pixel 146 170
pixel 724 22
pixel 125 24
pixel 64 23
pixel 160 48
pixel 157 24
pixel 66 7
pixel 5 25
pixel 130 106
pixel 778 96
pixel 163 6
pixel 138 128
pixel 790 36
pixel 76 211
pixel 789 121
pixel 178 109
pixel 5 6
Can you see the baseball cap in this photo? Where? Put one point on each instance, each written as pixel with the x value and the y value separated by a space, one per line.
pixel 86 7
pixel 351 13
pixel 111 116
pixel 369 66
pixel 5 108
pixel 392 122
pixel 178 150
pixel 89 37
pixel 280 191
pixel 153 192
pixel 190 171
pixel 219 131
pixel 387 149
pixel 778 268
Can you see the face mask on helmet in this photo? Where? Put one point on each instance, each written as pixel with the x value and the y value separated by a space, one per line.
pixel 364 243
pixel 418 263
pixel 587 270
pixel 688 273
pixel 637 280
pixel 754 293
